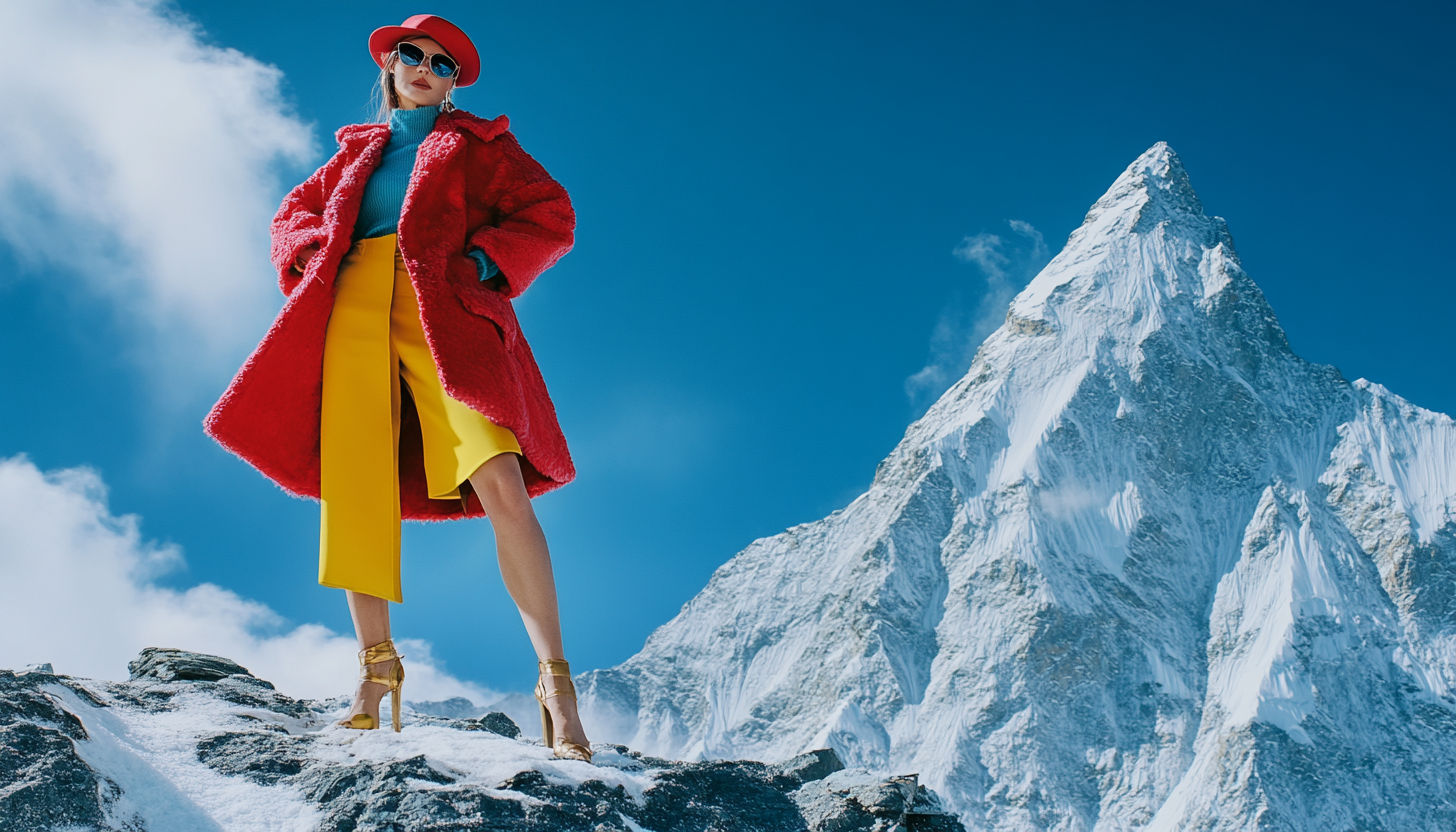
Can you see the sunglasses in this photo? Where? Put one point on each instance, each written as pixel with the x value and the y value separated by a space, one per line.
pixel 441 64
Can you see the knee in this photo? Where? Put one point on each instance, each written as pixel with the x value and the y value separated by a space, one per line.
pixel 499 486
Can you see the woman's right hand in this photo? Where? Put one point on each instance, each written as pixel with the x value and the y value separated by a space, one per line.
pixel 304 255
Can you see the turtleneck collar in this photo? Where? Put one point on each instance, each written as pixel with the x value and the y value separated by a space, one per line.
pixel 411 126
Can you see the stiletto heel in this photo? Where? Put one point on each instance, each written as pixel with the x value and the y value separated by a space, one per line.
pixel 560 746
pixel 381 652
pixel 395 696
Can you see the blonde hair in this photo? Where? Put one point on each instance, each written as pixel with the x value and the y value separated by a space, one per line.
pixel 386 98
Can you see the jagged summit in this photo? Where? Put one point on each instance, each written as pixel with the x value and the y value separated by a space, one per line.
pixel 1147 277
pixel 1157 177
pixel 1141 567
pixel 1145 243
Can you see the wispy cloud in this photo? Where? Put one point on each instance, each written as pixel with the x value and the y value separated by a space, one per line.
pixel 1006 264
pixel 82 595
pixel 149 176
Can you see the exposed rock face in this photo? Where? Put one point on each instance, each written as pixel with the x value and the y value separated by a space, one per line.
pixel 44 783
pixel 168 664
pixel 1141 568
pixel 195 742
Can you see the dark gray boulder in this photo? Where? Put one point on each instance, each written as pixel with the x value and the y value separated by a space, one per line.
pixel 499 723
pixel 168 664
pixel 810 766
pixel 856 802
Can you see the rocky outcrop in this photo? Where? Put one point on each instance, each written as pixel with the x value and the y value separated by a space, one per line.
pixel 164 664
pixel 197 742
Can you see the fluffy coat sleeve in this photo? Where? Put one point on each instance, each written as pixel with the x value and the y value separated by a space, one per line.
pixel 533 221
pixel 299 224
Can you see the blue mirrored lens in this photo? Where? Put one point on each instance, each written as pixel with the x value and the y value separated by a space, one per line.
pixel 442 66
pixel 411 54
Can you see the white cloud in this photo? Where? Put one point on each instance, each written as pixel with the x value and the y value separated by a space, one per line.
pixel 1007 264
pixel 79 593
pixel 141 163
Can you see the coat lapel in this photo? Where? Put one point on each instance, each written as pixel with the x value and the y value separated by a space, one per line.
pixel 366 143
pixel 433 216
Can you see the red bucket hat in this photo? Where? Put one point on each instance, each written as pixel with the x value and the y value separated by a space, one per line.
pixel 383 40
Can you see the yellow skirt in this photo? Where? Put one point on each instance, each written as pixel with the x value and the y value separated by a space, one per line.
pixel 374 342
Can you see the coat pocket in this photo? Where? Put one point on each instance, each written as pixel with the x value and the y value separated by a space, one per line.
pixel 480 299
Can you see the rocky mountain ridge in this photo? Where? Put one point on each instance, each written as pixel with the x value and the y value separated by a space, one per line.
pixel 194 742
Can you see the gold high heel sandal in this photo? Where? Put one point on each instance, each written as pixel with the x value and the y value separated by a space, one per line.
pixel 381 652
pixel 560 746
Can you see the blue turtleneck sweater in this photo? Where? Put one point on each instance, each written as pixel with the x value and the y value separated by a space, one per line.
pixel 384 192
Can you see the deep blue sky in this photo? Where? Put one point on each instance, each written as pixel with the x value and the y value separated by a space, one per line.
pixel 768 196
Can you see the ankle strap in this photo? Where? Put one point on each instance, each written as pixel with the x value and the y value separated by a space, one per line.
pixel 381 652
pixel 555 667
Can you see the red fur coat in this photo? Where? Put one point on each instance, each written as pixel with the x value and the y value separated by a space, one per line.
pixel 472 185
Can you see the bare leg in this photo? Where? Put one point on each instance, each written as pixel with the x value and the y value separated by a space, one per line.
pixel 371 626
pixel 525 564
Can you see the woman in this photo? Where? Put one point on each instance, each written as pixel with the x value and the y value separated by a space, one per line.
pixel 395 382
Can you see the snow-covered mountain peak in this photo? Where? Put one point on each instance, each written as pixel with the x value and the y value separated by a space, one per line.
pixel 1148 277
pixel 1156 178
pixel 1142 567
pixel 1145 245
